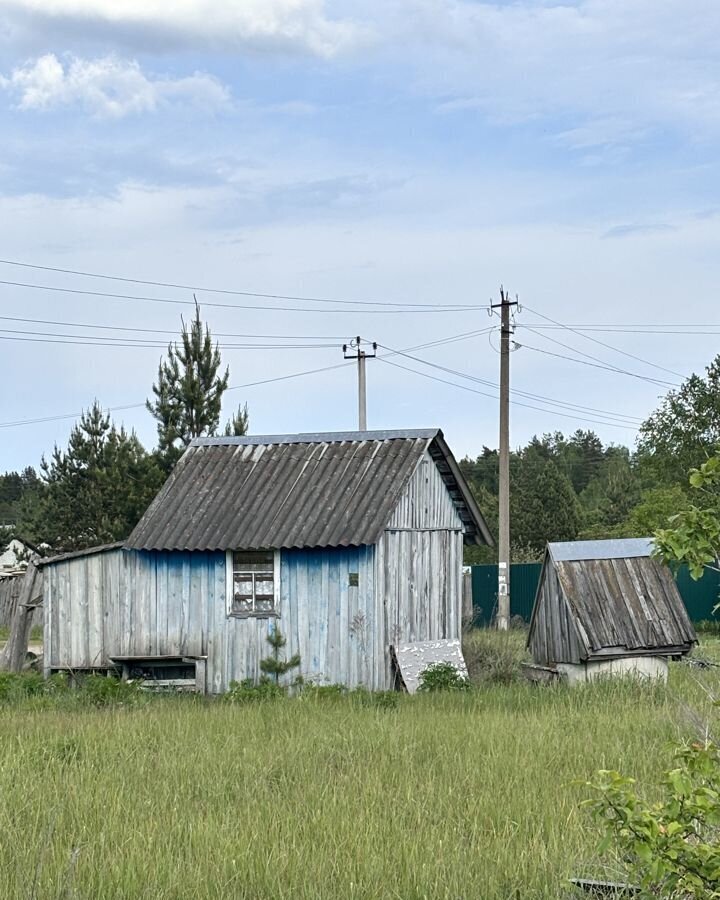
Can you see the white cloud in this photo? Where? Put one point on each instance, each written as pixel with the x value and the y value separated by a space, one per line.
pixel 601 62
pixel 107 87
pixel 216 24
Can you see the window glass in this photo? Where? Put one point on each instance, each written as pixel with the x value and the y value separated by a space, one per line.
pixel 253 582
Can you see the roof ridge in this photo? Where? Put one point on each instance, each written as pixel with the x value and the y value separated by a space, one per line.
pixel 318 437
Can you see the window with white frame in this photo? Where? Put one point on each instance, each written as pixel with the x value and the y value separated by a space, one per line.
pixel 252 584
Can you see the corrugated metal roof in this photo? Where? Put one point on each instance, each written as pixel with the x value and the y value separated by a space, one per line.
pixel 317 437
pixel 625 548
pixel 629 603
pixel 283 491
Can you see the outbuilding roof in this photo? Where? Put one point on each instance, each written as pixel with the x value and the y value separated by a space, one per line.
pixel 623 548
pixel 304 490
pixel 604 599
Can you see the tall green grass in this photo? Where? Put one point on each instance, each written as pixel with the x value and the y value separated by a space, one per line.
pixel 444 796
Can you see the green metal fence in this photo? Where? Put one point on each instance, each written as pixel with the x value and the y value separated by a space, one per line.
pixel 700 596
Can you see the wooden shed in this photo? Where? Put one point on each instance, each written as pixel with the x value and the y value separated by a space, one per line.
pixel 607 607
pixel 351 543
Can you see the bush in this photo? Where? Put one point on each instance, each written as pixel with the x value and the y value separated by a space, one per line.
pixel 101 690
pixel 442 676
pixel 17 687
pixel 247 691
pixel 669 848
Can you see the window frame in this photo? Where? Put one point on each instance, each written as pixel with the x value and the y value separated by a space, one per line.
pixel 273 613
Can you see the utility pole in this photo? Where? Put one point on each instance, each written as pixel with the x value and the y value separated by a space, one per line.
pixel 506 330
pixel 361 356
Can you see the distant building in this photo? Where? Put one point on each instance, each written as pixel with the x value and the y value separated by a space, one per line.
pixel 15 555
pixel 607 607
pixel 350 543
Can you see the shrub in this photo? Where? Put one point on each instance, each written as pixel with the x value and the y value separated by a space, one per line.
pixel 442 676
pixel 101 690
pixel 669 848
pixel 247 691
pixel 16 687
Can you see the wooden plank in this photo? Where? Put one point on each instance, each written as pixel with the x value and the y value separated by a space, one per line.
pixel 184 589
pixel 47 623
pixel 13 655
pixel 195 603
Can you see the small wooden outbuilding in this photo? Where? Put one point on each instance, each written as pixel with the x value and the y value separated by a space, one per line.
pixel 607 607
pixel 350 543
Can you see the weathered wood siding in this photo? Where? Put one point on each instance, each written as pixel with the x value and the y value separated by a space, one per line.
pixel 81 605
pixel 135 603
pixel 330 622
pixel 425 503
pixel 554 637
pixel 152 603
pixel 10 588
pixel 418 569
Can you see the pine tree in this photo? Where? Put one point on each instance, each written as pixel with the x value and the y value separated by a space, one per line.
pixel 543 505
pixel 240 422
pixel 189 392
pixel 273 665
pixel 95 491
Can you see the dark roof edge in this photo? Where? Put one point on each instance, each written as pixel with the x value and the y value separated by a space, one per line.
pixel 439 439
pixel 319 437
pixel 75 554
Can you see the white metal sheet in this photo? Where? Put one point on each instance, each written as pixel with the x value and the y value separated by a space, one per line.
pixel 413 659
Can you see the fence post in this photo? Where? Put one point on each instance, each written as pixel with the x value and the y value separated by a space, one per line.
pixel 12 658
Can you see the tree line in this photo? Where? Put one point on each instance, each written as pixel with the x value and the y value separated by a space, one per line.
pixel 95 490
pixel 563 487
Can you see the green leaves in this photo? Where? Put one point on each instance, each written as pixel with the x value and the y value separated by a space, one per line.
pixel 693 535
pixel 687 423
pixel 669 848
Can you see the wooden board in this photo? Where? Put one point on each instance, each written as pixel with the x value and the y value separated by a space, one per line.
pixel 413 659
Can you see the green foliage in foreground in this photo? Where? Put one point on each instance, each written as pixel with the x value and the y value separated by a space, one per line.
pixel 442 676
pixel 56 692
pixel 669 848
pixel 693 535
pixel 325 794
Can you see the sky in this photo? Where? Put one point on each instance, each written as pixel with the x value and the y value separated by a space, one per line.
pixel 400 158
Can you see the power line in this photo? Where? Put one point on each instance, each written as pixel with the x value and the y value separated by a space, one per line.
pixel 265 308
pixel 585 362
pixel 174 336
pixel 225 291
pixel 610 414
pixel 464 387
pixel 596 361
pixel 587 337
pixel 126 343
pixel 127 406
pixel 75 415
pixel 631 329
pixel 173 333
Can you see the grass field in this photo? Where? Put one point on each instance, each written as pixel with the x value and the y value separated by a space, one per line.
pixel 440 796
